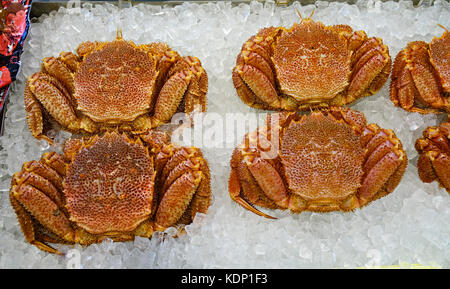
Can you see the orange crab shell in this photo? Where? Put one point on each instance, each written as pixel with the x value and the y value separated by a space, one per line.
pixel 312 61
pixel 115 82
pixel 121 195
pixel 440 58
pixel 311 165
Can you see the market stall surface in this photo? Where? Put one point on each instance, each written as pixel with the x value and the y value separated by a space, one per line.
pixel 409 226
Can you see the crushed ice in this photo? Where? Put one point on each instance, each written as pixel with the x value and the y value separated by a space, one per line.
pixel 410 226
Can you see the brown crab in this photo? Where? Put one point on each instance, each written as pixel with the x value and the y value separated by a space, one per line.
pixel 420 80
pixel 113 84
pixel 309 65
pixel 434 151
pixel 113 186
pixel 325 161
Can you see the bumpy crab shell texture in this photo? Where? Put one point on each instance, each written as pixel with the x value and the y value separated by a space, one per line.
pixel 434 159
pixel 325 161
pixel 114 186
pixel 420 80
pixel 113 85
pixel 309 65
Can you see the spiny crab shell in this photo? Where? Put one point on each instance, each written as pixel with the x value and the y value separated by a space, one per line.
pixel 420 79
pixel 116 84
pixel 116 186
pixel 309 65
pixel 326 161
pixel 434 151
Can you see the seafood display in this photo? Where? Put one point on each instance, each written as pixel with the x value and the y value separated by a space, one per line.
pixel 121 149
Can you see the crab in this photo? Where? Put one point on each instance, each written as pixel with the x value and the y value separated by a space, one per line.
pixel 434 150
pixel 328 160
pixel 309 65
pixel 420 80
pixel 113 85
pixel 114 186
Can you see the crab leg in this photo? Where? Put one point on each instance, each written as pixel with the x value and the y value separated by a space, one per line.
pixel 244 92
pixel 186 84
pixel 433 161
pixel 246 192
pixel 70 60
pixel 35 193
pixel 26 223
pixel 201 200
pixel 403 92
pixel 182 168
pixel 163 157
pixel 35 119
pixel 196 94
pixel 385 163
pixel 434 166
pixel 380 79
pixel 59 70
pixel 44 210
pixel 182 154
pixel 240 191
pixel 369 60
pixel 170 97
pixel 257 61
pixel 53 100
pixel 261 43
pixel 54 161
pixel 43 170
pixel 413 77
pixel 198 86
pixel 28 201
pixel 38 182
pixel 183 176
pixel 254 76
pixel 165 58
pixel 86 48
pixel 351 117
pixel 202 197
pixel 425 81
pixel 255 180
pixel 60 98
pixel 269 180
pixel 176 199
pixel 355 38
pixel 259 84
pixel 156 139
